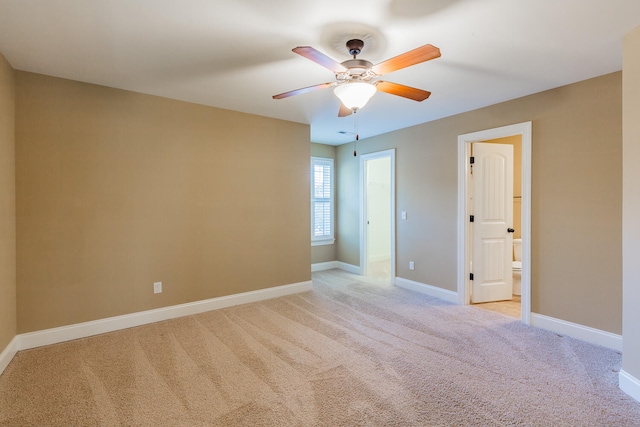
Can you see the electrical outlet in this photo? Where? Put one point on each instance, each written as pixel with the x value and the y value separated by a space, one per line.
pixel 157 287
pixel 412 266
pixel 404 214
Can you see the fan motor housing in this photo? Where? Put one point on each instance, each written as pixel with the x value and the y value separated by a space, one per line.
pixel 357 67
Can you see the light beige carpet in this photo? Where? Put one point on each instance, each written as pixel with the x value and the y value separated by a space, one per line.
pixel 349 353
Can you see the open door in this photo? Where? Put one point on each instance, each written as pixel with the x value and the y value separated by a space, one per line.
pixel 492 227
pixel 377 214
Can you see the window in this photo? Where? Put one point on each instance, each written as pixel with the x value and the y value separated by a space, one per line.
pixel 321 201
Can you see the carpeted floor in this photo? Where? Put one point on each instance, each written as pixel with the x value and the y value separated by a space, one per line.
pixel 352 352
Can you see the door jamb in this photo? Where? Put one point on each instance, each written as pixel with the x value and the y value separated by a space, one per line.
pixel 363 206
pixel 464 143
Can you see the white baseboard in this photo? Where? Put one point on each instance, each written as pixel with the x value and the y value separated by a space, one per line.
pixel 353 269
pixel 8 353
pixel 110 324
pixel 330 265
pixel 430 290
pixel 322 266
pixel 574 330
pixel 629 384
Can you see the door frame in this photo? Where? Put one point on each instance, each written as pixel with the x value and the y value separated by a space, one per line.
pixel 464 247
pixel 391 154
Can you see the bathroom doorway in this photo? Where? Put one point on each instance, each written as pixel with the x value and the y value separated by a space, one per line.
pixel 522 210
pixel 512 307
pixel 377 222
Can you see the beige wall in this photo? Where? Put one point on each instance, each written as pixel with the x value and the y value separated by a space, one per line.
pixel 324 253
pixel 323 150
pixel 576 198
pixel 631 194
pixel 117 190
pixel 7 205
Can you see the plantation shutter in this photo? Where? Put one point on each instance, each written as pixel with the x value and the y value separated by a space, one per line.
pixel 321 199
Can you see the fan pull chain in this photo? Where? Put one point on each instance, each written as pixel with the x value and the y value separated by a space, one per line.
pixel 355 131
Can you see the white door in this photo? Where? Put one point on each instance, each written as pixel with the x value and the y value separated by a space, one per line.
pixel 492 238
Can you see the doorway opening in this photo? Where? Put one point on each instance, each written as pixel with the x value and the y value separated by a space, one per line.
pixel 465 245
pixel 377 215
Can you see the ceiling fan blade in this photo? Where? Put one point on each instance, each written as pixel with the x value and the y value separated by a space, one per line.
pixel 344 111
pixel 415 56
pixel 303 90
pixel 319 58
pixel 402 90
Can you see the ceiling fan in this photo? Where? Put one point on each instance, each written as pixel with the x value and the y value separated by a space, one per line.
pixel 355 83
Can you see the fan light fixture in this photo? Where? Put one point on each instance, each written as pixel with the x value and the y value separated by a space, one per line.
pixel 355 94
pixel 353 84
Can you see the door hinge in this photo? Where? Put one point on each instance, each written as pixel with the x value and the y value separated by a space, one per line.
pixel 472 160
pixel 470 276
pixel 471 218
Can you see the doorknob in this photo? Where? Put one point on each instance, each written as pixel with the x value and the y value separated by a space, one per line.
pixel 510 230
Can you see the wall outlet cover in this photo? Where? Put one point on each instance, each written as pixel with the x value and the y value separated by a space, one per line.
pixel 157 287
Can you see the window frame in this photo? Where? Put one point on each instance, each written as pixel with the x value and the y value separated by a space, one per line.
pixel 325 161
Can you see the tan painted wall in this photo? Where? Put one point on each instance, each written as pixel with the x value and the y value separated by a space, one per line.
pixel 7 205
pixel 631 195
pixel 324 253
pixel 117 190
pixel 323 150
pixel 576 198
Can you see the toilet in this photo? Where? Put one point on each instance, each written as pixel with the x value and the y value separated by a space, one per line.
pixel 517 265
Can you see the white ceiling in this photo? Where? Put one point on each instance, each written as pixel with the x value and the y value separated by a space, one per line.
pixel 236 54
